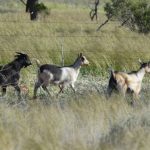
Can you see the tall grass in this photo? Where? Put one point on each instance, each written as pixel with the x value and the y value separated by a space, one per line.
pixel 112 46
pixel 89 122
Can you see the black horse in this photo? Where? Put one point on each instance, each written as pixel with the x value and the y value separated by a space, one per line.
pixel 10 73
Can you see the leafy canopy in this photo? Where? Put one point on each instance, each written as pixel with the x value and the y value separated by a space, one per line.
pixel 134 14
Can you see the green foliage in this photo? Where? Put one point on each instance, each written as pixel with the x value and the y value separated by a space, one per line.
pixel 141 12
pixel 135 15
pixel 114 8
pixel 42 8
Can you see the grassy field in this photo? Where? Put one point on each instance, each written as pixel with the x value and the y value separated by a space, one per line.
pixel 81 121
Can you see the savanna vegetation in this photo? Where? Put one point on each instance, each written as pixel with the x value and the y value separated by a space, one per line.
pixel 134 14
pixel 85 120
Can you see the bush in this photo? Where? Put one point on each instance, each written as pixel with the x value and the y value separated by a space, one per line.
pixel 141 12
pixel 134 15
pixel 40 7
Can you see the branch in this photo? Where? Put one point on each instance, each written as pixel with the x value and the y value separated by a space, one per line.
pixel 94 11
pixel 104 23
pixel 123 23
pixel 23 2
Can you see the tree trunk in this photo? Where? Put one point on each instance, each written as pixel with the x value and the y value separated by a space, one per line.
pixel 31 8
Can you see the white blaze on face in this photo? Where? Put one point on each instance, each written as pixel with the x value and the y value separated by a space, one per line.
pixel 85 61
pixel 147 69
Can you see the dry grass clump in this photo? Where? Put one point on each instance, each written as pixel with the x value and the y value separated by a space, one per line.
pixel 83 123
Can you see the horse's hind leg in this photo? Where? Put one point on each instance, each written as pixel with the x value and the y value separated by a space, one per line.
pixel 36 86
pixel 109 92
pixel 17 88
pixel 4 90
pixel 61 87
pixel 73 87
pixel 45 89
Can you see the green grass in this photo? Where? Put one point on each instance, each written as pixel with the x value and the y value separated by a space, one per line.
pixel 112 46
pixel 86 120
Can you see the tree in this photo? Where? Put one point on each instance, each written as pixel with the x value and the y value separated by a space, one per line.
pixel 135 15
pixel 32 9
pixel 141 16
pixel 93 12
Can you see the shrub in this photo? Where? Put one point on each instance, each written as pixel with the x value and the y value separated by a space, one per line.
pixel 134 15
pixel 40 7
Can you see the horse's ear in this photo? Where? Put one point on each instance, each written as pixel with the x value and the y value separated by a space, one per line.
pixel 19 53
pixel 81 55
pixel 140 61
